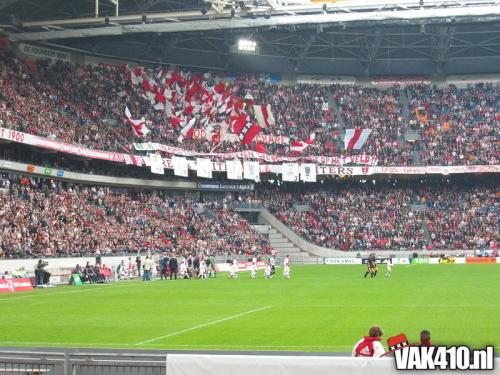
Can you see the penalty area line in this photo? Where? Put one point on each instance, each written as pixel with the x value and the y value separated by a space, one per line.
pixel 205 325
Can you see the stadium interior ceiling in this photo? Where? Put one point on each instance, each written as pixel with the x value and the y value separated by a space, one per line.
pixel 374 38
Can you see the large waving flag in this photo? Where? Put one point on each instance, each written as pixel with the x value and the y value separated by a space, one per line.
pixel 187 131
pixel 138 126
pixel 356 138
pixel 300 146
pixel 244 129
pixel 264 115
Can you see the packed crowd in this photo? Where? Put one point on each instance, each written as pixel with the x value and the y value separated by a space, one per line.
pixel 299 111
pixel 457 126
pixel 383 218
pixel 380 111
pixel 85 105
pixel 46 218
pixel 353 219
pixel 462 218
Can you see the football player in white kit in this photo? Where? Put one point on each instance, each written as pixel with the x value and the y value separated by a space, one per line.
pixel 203 269
pixel 389 268
pixel 267 272
pixel 253 270
pixel 286 267
pixel 234 270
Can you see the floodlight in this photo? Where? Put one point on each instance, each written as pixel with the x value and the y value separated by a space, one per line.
pixel 247 45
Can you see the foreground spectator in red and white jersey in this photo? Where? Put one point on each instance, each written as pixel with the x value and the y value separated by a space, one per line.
pixel 370 346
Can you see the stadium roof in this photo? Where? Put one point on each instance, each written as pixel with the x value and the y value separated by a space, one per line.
pixel 407 37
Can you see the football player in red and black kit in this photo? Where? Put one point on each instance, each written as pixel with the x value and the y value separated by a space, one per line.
pixel 372 266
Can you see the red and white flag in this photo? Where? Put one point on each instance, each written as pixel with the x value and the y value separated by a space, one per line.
pixel 264 115
pixel 135 78
pixel 138 126
pixel 132 160
pixel 244 129
pixel 300 146
pixel 187 131
pixel 159 106
pixel 356 138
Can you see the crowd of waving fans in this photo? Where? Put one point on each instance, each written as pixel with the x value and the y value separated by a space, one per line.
pixel 85 105
pixel 44 218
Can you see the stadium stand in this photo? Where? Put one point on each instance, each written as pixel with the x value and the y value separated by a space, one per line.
pixel 53 219
pixel 380 111
pixel 462 218
pixel 46 217
pixel 386 217
pixel 85 105
pixel 456 125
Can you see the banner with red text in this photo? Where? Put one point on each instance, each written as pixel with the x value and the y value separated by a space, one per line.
pixel 67 148
pixel 15 285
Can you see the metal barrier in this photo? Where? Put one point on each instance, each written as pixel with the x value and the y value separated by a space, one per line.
pixel 73 362
pixel 28 364
pixel 66 361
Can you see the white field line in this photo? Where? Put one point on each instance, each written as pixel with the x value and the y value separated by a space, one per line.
pixel 205 325
pixel 73 291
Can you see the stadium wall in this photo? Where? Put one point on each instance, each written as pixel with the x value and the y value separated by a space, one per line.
pixel 62 361
pixel 199 364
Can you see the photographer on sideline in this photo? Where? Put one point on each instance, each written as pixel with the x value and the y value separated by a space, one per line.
pixel 41 276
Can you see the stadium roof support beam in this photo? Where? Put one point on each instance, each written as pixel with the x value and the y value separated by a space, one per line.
pixel 370 47
pixel 272 4
pixel 444 15
pixel 441 38
pixel 116 3
pixel 6 3
pixel 298 60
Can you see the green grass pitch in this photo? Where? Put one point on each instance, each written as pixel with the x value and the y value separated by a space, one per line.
pixel 320 309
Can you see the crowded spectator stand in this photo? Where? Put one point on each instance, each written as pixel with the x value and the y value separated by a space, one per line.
pixel 202 113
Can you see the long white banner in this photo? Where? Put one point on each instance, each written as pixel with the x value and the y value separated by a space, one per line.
pixel 324 165
pixel 249 154
pixel 67 148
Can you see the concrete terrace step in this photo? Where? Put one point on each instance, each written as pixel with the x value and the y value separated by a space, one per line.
pixel 282 244
pixel 287 250
pixel 278 240
pixel 301 258
pixel 275 235
pixel 411 135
